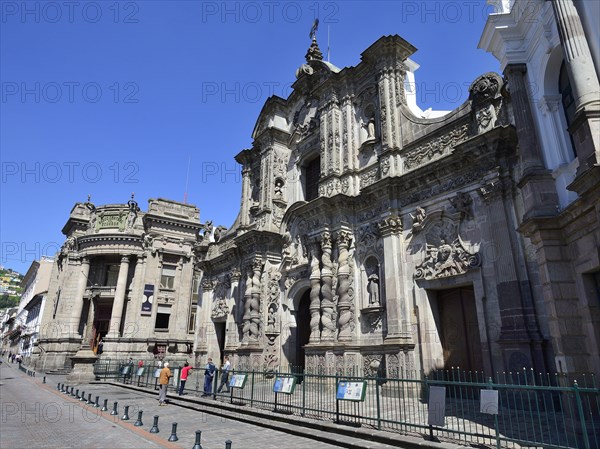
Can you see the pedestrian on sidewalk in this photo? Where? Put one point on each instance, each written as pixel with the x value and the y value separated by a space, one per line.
pixel 184 375
pixel 209 374
pixel 165 375
pixel 225 375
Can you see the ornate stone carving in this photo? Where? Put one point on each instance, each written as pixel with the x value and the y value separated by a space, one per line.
pixel 69 246
pixel 418 218
pixel 435 148
pixel 446 259
pixel 390 225
pixel 373 365
pixel 491 190
pixel 486 87
pixel 369 177
pixel 220 309
pixel 393 366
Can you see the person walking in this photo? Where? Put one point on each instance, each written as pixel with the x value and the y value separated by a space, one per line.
pixel 225 375
pixel 165 375
pixel 184 375
pixel 209 374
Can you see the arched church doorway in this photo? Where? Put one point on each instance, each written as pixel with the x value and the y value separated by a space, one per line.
pixel 302 331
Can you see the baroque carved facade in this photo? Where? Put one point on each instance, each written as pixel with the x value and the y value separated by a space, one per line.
pixel 374 239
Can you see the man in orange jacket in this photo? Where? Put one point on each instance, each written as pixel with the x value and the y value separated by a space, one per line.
pixel 163 381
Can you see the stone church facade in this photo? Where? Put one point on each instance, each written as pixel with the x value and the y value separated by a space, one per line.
pixel 372 238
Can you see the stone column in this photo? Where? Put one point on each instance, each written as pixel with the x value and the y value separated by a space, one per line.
pixel 397 304
pixel 247 307
pixel 584 82
pixel 345 306
pixel 255 303
pixel 536 183
pixel 327 307
pixel 119 300
pixel 315 297
pixel 78 300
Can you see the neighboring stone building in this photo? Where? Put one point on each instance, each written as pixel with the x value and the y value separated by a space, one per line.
pixel 125 276
pixel 375 237
pixel 550 53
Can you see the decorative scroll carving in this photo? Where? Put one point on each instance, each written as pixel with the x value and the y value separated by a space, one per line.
pixel 439 147
pixel 369 177
pixel 486 87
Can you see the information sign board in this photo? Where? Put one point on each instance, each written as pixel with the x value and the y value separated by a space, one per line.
pixel 351 391
pixel 285 385
pixel 140 371
pixel 238 380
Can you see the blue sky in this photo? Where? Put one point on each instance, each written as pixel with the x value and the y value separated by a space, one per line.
pixel 108 98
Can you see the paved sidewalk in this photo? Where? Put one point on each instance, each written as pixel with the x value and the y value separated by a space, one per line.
pixel 36 415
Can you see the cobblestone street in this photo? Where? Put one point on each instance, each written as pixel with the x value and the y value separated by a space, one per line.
pixel 36 415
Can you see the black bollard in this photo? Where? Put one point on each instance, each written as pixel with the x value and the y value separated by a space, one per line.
pixel 89 401
pixel 125 416
pixel 173 436
pixel 139 422
pixel 228 444
pixel 58 386
pixel 65 389
pixel 154 428
pixel 97 404
pixel 197 445
pixel 82 398
pixel 44 380
pixel 114 410
pixel 76 393
pixel 105 406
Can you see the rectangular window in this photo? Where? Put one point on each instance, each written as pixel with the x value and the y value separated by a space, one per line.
pixel 163 314
pixel 192 323
pixel 112 274
pixel 312 173
pixel 167 278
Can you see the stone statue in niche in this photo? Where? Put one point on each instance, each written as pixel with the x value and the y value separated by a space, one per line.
pixel 271 320
pixel 371 128
pixel 373 290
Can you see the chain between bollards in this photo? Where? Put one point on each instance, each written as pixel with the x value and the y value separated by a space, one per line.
pixel 125 416
pixel 154 428
pixel 105 406
pixel 139 422
pixel 197 445
pixel 114 410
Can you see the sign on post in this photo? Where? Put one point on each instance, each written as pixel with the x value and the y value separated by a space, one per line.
pixel 157 372
pixel 489 402
pixel 437 406
pixel 238 380
pixel 351 391
pixel 140 371
pixel 285 385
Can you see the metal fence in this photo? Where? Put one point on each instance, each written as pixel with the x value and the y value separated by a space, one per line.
pixel 532 410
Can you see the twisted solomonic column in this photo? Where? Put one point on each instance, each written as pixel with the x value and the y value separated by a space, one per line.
pixel 328 327
pixel 315 302
pixel 344 306
pixel 247 307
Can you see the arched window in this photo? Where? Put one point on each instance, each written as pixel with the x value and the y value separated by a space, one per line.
pixel 568 101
